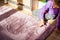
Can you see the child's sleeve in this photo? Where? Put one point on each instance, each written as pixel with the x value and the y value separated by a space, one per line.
pixel 48 5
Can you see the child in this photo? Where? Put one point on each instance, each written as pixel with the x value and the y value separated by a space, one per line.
pixel 52 8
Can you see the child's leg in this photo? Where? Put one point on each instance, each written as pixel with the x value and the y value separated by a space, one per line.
pixel 58 22
pixel 58 26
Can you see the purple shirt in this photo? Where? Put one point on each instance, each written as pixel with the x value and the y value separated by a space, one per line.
pixel 52 11
pixel 48 5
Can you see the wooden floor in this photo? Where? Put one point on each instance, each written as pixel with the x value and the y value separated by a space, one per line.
pixel 54 36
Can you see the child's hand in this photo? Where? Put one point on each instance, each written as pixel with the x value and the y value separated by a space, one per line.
pixel 41 22
pixel 52 21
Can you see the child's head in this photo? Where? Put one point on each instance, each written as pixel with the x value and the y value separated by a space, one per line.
pixel 57 2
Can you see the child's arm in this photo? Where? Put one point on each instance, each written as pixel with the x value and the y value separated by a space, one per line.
pixel 42 11
pixel 48 5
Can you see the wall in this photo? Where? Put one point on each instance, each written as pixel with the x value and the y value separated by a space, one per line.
pixel 34 4
pixel 28 5
pixel 5 1
pixel 13 3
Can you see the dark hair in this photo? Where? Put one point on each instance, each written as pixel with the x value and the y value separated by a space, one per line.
pixel 57 2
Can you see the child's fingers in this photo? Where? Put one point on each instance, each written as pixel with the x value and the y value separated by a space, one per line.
pixel 41 22
pixel 51 21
